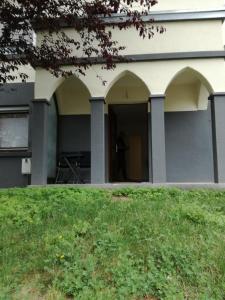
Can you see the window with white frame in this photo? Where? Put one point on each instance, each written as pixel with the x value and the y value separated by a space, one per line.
pixel 14 129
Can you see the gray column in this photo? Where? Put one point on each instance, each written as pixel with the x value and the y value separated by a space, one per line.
pixel 106 148
pixel 218 133
pixel 97 140
pixel 39 166
pixel 157 152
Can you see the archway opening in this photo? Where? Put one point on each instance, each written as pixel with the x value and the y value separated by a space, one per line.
pixel 69 133
pixel 189 152
pixel 188 91
pixel 127 102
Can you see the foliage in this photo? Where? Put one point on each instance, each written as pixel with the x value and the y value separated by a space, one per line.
pixel 67 243
pixel 90 19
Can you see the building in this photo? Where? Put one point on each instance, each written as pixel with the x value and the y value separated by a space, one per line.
pixel 168 102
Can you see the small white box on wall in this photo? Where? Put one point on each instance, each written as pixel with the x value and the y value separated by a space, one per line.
pixel 26 166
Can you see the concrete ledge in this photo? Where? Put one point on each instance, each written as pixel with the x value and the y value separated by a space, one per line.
pixel 172 16
pixel 183 186
pixel 148 57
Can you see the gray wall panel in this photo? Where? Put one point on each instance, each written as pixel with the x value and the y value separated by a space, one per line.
pixel 97 140
pixel 218 126
pixel 10 166
pixel 74 133
pixel 188 143
pixel 40 118
pixel 157 135
pixel 106 148
pixel 52 139
pixel 10 172
pixel 16 94
pixel 189 150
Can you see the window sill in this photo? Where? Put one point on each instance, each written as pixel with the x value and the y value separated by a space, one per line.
pixel 15 153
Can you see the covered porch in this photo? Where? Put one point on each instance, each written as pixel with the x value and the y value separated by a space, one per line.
pixel 170 134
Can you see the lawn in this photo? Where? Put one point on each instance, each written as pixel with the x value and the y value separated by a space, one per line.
pixel 67 243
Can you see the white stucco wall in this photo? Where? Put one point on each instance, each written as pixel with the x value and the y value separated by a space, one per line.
pixel 28 70
pixel 73 98
pixel 188 4
pixel 156 77
pixel 178 37
pixel 185 36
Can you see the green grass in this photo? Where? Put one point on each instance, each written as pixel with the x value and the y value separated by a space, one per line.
pixel 65 243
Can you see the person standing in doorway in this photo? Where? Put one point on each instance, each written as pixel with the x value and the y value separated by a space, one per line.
pixel 121 149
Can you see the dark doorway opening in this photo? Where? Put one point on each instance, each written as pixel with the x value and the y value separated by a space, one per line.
pixel 128 143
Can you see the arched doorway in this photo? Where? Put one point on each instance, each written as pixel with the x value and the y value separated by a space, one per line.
pixel 188 128
pixel 69 132
pixel 127 102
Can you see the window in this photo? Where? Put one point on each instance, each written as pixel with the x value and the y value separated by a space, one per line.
pixel 14 130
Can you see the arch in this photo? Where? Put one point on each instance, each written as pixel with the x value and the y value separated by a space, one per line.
pixel 73 96
pixel 64 80
pixel 69 128
pixel 120 76
pixel 127 107
pixel 196 74
pixel 46 84
pixel 187 91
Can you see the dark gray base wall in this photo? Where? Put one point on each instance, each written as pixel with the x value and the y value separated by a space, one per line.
pixel 10 173
pixel 75 135
pixel 189 151
pixel 16 94
pixel 106 148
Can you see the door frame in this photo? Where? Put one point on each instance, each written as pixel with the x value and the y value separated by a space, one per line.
pixel 110 138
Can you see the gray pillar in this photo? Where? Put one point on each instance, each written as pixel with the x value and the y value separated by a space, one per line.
pixel 97 140
pixel 39 166
pixel 106 148
pixel 157 153
pixel 149 148
pixel 218 133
